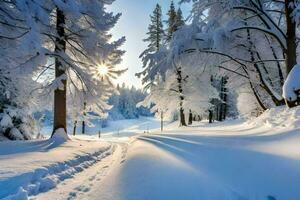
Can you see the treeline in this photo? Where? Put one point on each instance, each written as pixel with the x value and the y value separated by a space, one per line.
pixel 124 104
pixel 252 45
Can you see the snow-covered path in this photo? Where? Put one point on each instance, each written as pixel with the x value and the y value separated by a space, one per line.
pixel 211 165
pixel 232 160
pixel 80 185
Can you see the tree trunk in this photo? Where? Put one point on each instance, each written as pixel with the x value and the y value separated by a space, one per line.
pixel 84 115
pixel 190 118
pixel 210 116
pixel 181 96
pixel 60 96
pixel 225 106
pixel 280 74
pixel 75 126
pixel 161 121
pixel 257 96
pixel 263 82
pixel 291 53
pixel 182 117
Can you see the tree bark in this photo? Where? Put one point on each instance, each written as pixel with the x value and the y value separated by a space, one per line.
pixel 75 126
pixel 263 81
pixel 162 121
pixel 84 115
pixel 224 98
pixel 280 74
pixel 210 116
pixel 190 118
pixel 181 96
pixel 60 96
pixel 291 53
pixel 257 96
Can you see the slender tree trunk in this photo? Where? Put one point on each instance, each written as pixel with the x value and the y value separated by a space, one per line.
pixel 181 96
pixel 60 96
pixel 84 115
pixel 291 53
pixel 280 74
pixel 210 116
pixel 75 126
pixel 161 121
pixel 263 81
pixel 224 99
pixel 190 118
pixel 257 96
pixel 266 86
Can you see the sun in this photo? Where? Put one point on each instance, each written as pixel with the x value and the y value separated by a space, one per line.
pixel 102 70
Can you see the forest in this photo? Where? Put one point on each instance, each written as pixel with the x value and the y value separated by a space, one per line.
pixel 162 100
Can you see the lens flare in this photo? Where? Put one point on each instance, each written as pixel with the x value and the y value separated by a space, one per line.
pixel 102 70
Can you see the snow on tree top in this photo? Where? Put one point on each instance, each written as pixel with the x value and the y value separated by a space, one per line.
pixel 292 84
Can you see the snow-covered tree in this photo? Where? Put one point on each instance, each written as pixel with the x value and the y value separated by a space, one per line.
pixel 271 24
pixel 180 81
pixel 71 39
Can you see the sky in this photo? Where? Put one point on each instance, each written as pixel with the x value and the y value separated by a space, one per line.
pixel 134 25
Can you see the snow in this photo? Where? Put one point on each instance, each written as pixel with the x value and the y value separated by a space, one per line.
pixel 6 121
pixel 60 135
pixel 32 167
pixel 232 160
pixel 119 128
pixel 236 159
pixel 292 84
pixel 16 133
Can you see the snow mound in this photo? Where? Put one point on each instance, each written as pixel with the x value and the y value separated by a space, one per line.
pixel 20 195
pixel 60 135
pixel 292 84
pixel 279 117
pixel 17 124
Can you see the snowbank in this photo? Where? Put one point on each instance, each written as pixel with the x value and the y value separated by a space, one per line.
pixel 34 167
pixel 292 84
pixel 16 124
pixel 283 117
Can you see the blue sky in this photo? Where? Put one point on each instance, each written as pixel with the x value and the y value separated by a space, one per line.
pixel 133 24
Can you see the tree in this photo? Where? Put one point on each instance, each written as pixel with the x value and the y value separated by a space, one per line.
pixel 179 19
pixel 272 21
pixel 60 94
pixel 172 22
pixel 176 84
pixel 155 30
pixel 70 38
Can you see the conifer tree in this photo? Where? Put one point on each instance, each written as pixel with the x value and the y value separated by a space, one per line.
pixel 171 22
pixel 155 30
pixel 179 19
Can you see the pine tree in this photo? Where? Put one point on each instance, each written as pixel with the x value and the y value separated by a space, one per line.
pixel 171 22
pixel 155 30
pixel 179 19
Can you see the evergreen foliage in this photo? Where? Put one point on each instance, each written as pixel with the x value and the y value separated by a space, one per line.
pixel 124 104
pixel 155 30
